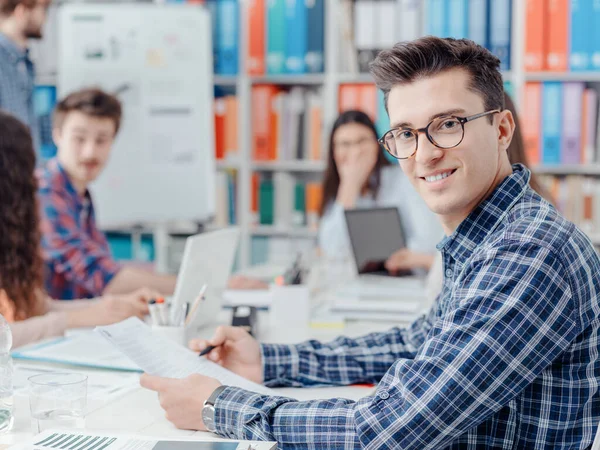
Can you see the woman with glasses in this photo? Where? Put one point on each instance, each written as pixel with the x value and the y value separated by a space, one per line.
pixel 359 175
pixel 31 314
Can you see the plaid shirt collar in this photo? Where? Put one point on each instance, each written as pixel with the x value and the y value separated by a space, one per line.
pixel 486 217
pixel 12 49
pixel 61 180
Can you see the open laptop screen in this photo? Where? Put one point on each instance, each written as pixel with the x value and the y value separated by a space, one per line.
pixel 375 234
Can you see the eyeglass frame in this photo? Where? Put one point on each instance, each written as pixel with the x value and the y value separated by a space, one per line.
pixel 425 131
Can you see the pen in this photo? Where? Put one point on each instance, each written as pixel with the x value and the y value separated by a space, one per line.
pixel 192 313
pixel 207 350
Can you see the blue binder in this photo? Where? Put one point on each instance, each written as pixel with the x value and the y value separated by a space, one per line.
pixel 296 31
pixel 500 28
pixel 580 54
pixel 437 18
pixel 315 45
pixel 551 122
pixel 458 18
pixel 227 37
pixel 276 36
pixel 478 22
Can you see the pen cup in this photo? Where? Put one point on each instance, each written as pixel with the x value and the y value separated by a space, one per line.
pixel 175 334
pixel 290 306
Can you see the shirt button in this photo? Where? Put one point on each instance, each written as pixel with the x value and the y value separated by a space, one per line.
pixel 384 395
pixel 449 273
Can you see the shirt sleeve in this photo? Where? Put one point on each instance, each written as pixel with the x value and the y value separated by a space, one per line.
pixel 84 262
pixel 333 233
pixel 343 361
pixel 508 319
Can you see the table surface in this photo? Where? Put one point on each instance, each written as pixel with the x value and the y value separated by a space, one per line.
pixel 138 412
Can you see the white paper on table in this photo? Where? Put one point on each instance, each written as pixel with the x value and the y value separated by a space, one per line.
pixel 85 349
pixel 101 386
pixel 55 439
pixel 165 358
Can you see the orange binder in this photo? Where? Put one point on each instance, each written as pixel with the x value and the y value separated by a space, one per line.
pixel 256 37
pixel 262 121
pixel 348 97
pixel 368 100
pixel 316 129
pixel 535 37
pixel 231 125
pixel 532 121
pixel 558 21
pixel 220 132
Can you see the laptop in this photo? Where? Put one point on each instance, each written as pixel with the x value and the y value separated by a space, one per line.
pixel 207 259
pixel 375 235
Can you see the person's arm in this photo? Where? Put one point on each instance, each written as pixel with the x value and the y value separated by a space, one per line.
pixel 342 361
pixel 70 252
pixel 37 328
pixel 333 234
pixel 505 324
pixel 129 279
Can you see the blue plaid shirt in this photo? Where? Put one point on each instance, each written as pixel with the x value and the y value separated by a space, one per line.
pixel 507 358
pixel 17 82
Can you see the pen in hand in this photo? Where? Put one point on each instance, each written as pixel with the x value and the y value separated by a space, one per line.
pixel 207 350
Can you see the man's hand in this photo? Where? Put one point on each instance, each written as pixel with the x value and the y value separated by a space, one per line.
pixel 235 350
pixel 182 400
pixel 405 259
pixel 111 309
pixel 242 282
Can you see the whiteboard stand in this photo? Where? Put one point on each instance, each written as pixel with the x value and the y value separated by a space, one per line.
pixel 161 248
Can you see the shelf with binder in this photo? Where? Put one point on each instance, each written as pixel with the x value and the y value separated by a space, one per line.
pixel 568 169
pixel 289 166
pixel 309 79
pixel 563 76
pixel 292 232
pixel 225 80
pixel 227 165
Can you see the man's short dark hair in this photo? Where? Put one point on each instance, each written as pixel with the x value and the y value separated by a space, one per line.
pixel 91 102
pixel 7 7
pixel 430 56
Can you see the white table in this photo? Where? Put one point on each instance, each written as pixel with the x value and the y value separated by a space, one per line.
pixel 139 412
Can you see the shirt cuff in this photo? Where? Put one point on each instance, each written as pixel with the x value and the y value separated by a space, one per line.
pixel 231 406
pixel 280 362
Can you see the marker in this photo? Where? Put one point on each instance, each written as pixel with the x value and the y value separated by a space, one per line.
pixel 163 312
pixel 153 308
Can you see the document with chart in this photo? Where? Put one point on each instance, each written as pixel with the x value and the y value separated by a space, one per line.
pixel 70 440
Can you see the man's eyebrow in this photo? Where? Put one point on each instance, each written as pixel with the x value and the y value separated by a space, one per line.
pixel 448 112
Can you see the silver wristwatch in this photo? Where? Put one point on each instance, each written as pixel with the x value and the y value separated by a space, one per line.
pixel 208 410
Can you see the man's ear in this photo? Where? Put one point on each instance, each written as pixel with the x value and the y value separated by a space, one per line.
pixel 56 136
pixel 506 129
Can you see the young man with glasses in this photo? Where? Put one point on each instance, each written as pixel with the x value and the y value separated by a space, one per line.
pixel 508 357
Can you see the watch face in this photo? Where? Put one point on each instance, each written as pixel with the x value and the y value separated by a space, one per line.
pixel 208 417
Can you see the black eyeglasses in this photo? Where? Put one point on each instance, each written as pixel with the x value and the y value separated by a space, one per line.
pixel 443 132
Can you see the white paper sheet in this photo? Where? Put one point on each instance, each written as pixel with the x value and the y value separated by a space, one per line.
pixel 158 356
pixel 85 349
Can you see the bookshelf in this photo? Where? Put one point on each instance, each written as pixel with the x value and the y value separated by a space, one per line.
pixel 328 83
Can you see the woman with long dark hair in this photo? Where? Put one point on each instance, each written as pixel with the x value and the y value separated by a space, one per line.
pixel 23 302
pixel 358 175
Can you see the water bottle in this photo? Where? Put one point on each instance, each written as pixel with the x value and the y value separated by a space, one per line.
pixel 6 378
